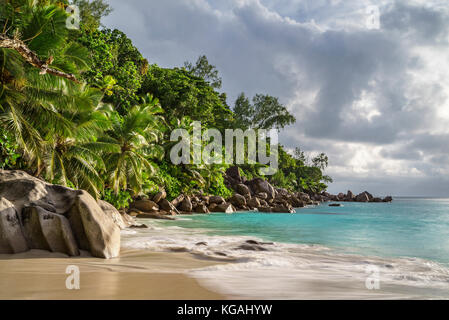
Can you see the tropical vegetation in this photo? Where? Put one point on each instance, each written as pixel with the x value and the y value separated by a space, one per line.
pixel 83 108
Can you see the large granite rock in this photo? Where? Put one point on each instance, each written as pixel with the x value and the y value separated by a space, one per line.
pixel 216 200
pixel 166 205
pixel 304 197
pixel 259 185
pixel 128 220
pixel 254 203
pixel 176 202
pixel 12 239
pixel 120 220
pixel 145 205
pixel 243 190
pixel 154 215
pixel 265 209
pixel 93 225
pixel 297 203
pixel 283 208
pixel 186 205
pixel 238 200
pixel 45 230
pixel 159 196
pixel 350 196
pixel 224 207
pixel 362 197
pixel 370 196
pixel 234 173
pixel 24 190
pixel 35 214
pixel 201 208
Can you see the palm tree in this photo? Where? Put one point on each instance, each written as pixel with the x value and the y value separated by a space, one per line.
pixel 135 136
pixel 31 96
pixel 73 157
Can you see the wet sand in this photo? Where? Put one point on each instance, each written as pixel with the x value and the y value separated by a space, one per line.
pixel 147 275
pixel 134 275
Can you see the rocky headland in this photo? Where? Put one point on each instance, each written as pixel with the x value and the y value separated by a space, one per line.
pixel 249 195
pixel 38 215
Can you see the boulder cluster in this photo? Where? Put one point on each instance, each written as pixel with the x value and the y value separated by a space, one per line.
pixel 38 215
pixel 257 194
pixel 158 207
pixel 351 197
pixel 249 195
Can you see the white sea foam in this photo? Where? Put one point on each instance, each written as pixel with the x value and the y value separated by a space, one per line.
pixel 291 271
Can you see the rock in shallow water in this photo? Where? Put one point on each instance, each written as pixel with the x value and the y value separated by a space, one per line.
pixel 224 207
pixel 250 247
pixel 335 205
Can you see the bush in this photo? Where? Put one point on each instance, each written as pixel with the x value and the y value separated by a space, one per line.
pixel 218 188
pixel 10 158
pixel 120 200
pixel 172 185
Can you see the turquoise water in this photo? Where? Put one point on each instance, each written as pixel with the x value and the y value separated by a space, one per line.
pixel 408 227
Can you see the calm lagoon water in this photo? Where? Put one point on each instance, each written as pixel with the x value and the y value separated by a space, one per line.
pixel 407 227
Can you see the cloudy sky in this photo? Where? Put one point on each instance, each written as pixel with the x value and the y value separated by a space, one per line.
pixel 371 93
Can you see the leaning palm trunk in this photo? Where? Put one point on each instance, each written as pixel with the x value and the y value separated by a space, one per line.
pixel 32 58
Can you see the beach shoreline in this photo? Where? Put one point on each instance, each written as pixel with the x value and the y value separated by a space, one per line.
pixel 168 262
pixel 149 275
pixel 135 275
pixel 254 268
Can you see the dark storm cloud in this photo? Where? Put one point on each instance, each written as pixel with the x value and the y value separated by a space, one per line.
pixel 371 99
pixel 425 25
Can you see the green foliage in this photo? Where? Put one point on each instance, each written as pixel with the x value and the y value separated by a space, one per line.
pixel 166 177
pixel 34 106
pixel 206 71
pixel 149 185
pixel 134 137
pixel 109 134
pixel 91 12
pixel 71 153
pixel 117 67
pixel 296 175
pixel 321 161
pixel 265 112
pixel 10 157
pixel 217 186
pixel 119 200
pixel 184 95
pixel 244 112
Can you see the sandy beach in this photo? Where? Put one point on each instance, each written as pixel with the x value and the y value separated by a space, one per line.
pixel 173 263
pixel 135 275
pixel 147 275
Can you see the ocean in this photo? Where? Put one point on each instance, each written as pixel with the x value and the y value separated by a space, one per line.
pixel 407 241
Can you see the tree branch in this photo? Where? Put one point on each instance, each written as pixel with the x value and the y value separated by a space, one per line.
pixel 32 58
